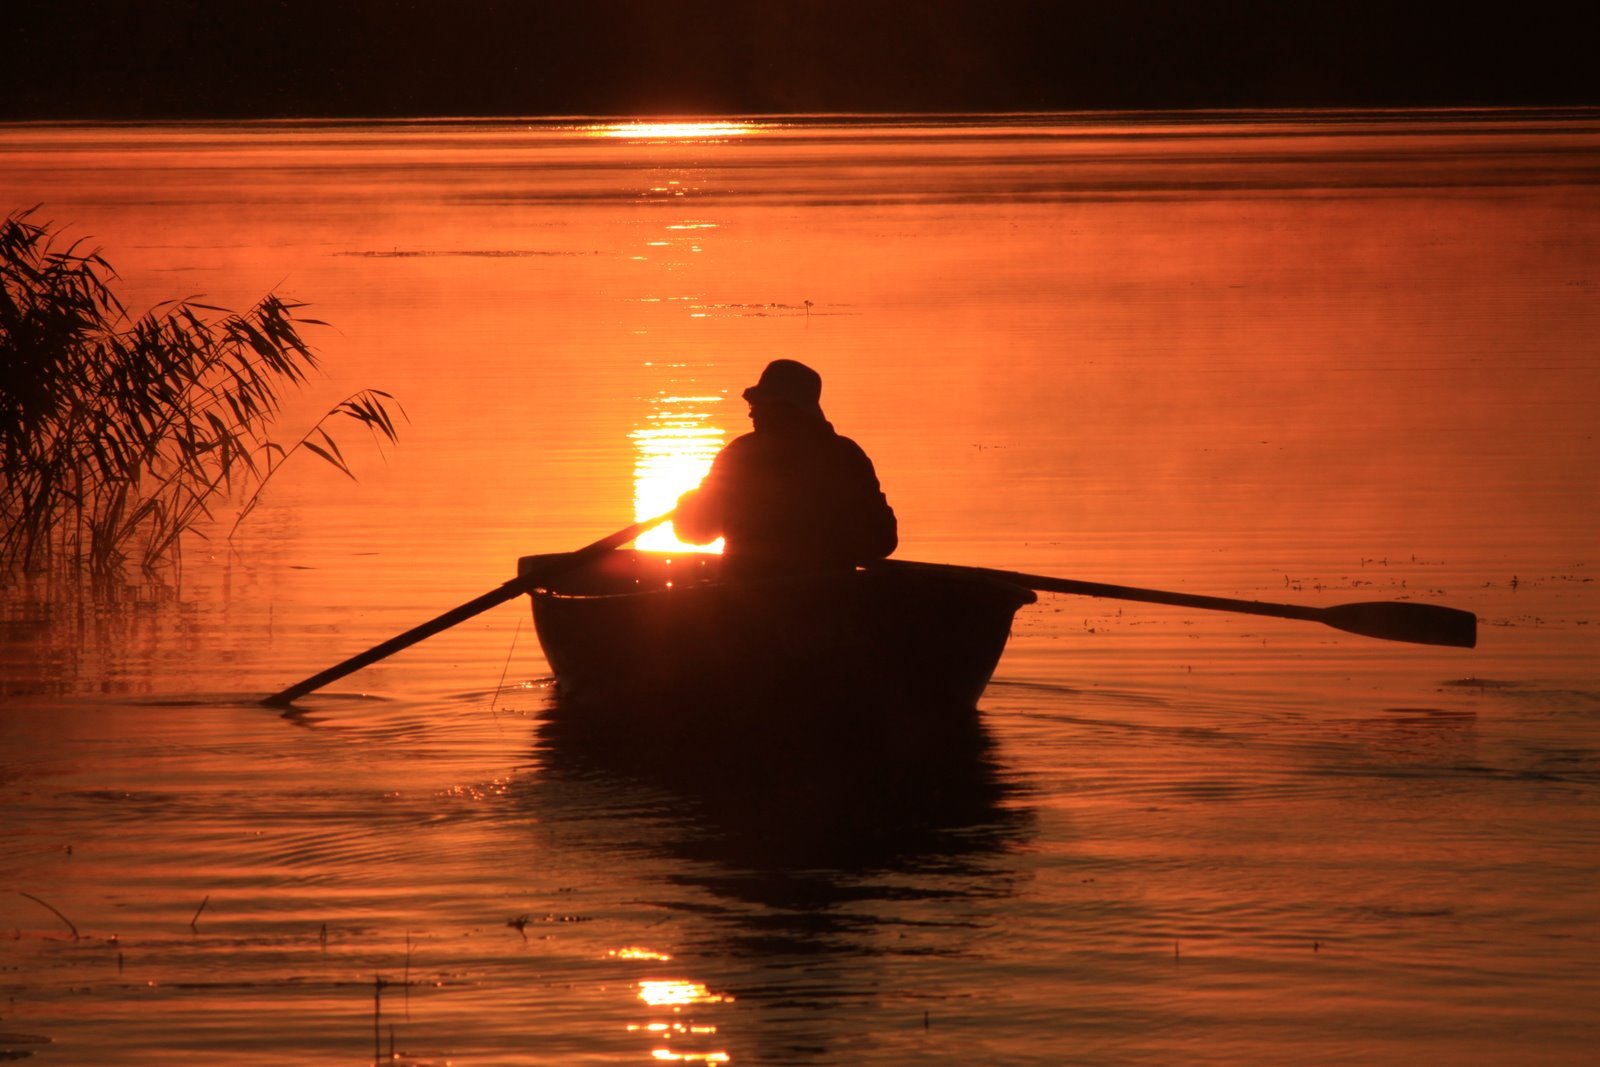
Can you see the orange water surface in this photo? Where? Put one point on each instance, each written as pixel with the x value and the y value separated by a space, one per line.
pixel 1301 357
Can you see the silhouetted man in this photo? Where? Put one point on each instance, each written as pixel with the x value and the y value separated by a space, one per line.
pixel 793 494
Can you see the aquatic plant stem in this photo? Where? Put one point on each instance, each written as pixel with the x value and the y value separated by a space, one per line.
pixel 43 903
pixel 506 669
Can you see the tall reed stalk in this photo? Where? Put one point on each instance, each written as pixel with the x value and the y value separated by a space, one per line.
pixel 118 436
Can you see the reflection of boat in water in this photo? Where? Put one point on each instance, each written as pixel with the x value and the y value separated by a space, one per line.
pixel 783 825
pixel 799 885
pixel 655 639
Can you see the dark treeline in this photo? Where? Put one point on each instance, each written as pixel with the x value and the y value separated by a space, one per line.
pixel 164 59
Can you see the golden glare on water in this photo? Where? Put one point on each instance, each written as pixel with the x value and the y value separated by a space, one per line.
pixel 635 952
pixel 674 450
pixel 675 993
pixel 675 131
pixel 678 994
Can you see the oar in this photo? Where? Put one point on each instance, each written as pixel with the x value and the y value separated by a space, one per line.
pixel 1388 620
pixel 553 564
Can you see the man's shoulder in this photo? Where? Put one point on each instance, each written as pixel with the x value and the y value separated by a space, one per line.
pixel 825 442
pixel 847 447
pixel 742 450
pixel 841 441
pixel 743 443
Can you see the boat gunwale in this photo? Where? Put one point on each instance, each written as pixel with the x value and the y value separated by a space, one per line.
pixel 900 570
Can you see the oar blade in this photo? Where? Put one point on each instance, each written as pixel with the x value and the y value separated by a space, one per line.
pixel 1404 620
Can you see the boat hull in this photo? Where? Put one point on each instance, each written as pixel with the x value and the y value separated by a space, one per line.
pixel 655 635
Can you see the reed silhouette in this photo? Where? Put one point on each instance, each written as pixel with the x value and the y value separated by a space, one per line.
pixel 119 436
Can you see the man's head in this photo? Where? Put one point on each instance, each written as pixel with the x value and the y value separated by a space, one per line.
pixel 786 385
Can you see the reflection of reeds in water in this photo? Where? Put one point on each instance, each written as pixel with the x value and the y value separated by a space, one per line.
pixel 117 437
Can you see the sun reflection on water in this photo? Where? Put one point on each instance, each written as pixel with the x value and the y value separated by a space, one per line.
pixel 673 452
pixel 674 131
pixel 635 952
pixel 677 994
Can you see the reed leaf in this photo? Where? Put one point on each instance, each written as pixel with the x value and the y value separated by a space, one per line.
pixel 119 436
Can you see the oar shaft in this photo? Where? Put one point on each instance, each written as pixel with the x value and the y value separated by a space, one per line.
pixel 1426 624
pixel 611 542
pixel 1157 596
pixel 461 614
pixel 499 595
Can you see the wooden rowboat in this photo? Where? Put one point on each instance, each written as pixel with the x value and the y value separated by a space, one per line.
pixel 634 627
pixel 655 634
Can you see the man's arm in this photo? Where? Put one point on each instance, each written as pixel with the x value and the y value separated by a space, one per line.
pixel 701 516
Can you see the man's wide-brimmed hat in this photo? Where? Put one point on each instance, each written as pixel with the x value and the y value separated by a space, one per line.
pixel 785 381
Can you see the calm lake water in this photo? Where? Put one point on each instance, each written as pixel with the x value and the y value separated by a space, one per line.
pixel 1300 357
